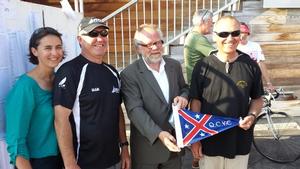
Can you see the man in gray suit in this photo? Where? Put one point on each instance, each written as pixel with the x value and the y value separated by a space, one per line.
pixel 149 86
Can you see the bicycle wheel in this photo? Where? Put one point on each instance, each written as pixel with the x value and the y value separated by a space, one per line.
pixel 278 141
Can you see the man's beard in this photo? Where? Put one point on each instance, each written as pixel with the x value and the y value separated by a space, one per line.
pixel 153 59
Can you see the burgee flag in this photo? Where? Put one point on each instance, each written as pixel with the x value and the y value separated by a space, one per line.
pixel 191 127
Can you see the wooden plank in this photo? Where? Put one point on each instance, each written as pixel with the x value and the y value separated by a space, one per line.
pixel 281 4
pixel 274 28
pixel 252 5
pixel 282 47
pixel 285 81
pixel 249 12
pixel 276 37
pixel 282 59
pixel 285 66
pixel 271 59
pixel 284 73
pixel 276 54
pixel 269 19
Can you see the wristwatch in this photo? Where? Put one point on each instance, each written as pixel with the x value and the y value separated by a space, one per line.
pixel 124 144
pixel 252 114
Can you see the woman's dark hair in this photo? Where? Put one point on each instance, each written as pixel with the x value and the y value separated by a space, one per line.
pixel 35 38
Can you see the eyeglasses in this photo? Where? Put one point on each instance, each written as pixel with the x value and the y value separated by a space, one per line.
pixel 151 45
pixel 226 34
pixel 94 34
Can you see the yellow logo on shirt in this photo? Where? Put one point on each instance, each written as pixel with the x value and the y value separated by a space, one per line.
pixel 242 84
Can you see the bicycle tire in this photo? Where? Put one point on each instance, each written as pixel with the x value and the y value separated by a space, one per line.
pixel 286 148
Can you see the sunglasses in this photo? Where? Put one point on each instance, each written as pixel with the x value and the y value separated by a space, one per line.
pixel 226 34
pixel 94 34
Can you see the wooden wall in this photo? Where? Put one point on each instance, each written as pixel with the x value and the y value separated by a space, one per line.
pixel 278 32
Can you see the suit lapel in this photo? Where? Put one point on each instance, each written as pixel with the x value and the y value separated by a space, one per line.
pixel 150 79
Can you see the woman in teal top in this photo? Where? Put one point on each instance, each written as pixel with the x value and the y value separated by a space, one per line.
pixel 30 132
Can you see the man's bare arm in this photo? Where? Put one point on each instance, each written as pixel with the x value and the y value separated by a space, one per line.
pixel 265 75
pixel 64 136
pixel 254 110
pixel 196 147
pixel 125 157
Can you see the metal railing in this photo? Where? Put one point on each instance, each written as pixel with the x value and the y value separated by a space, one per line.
pixel 172 16
pixel 216 13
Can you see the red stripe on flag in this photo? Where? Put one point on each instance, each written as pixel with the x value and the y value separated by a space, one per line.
pixel 198 126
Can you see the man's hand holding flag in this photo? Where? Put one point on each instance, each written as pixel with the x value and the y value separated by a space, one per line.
pixel 166 137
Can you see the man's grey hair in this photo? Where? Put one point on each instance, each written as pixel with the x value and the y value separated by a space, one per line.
pixel 143 27
pixel 201 16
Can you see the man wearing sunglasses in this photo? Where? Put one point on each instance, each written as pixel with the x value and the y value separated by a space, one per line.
pixel 89 120
pixel 227 83
pixel 196 44
pixel 150 85
pixel 254 50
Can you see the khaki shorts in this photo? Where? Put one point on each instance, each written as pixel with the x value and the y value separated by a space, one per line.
pixel 218 162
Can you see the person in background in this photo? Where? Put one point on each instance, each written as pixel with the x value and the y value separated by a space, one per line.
pixel 227 83
pixel 149 87
pixel 30 132
pixel 89 120
pixel 254 50
pixel 196 45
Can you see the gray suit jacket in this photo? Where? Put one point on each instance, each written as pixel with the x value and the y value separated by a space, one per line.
pixel 147 108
